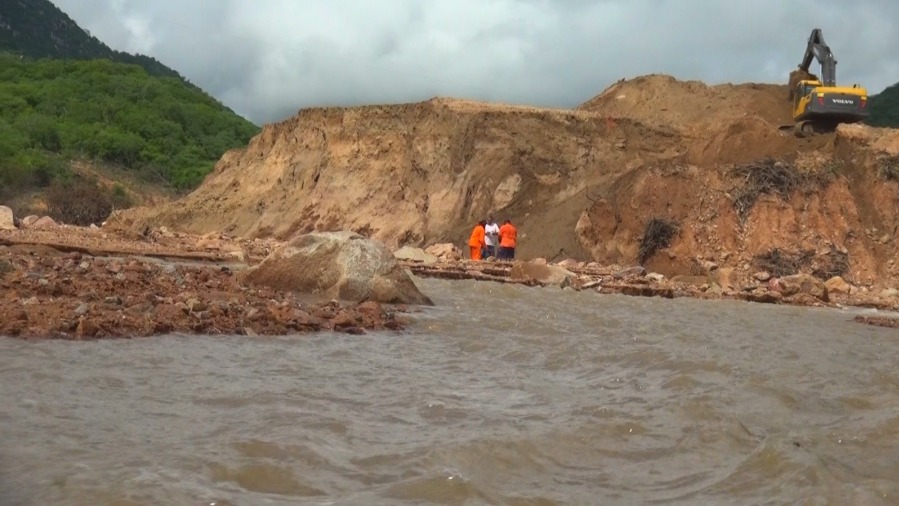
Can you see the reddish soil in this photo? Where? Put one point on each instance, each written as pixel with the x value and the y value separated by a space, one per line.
pixel 132 288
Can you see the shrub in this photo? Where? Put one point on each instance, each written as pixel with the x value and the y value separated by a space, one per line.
pixel 657 235
pixel 80 202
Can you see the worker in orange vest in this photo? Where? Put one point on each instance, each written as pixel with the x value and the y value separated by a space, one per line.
pixel 508 238
pixel 476 241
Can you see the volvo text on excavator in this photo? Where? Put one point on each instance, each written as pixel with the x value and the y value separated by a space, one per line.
pixel 820 105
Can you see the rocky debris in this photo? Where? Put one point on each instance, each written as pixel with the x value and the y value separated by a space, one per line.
pixel 73 282
pixel 46 293
pixel 7 220
pixel 338 265
pixel 803 290
pixel 802 284
pixel 445 251
pixel 879 321
pixel 415 255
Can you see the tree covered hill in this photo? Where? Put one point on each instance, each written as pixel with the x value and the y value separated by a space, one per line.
pixel 55 110
pixel 885 108
pixel 38 29
pixel 67 97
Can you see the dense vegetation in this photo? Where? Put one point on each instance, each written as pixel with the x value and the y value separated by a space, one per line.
pixel 38 29
pixel 55 110
pixel 885 108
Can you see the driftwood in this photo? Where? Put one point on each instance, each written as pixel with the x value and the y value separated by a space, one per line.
pixel 114 251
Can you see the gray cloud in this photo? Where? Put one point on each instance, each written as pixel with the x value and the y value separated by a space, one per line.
pixel 267 58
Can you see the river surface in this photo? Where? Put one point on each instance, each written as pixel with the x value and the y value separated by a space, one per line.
pixel 499 395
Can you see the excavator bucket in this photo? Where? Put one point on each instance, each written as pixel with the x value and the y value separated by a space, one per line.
pixel 799 75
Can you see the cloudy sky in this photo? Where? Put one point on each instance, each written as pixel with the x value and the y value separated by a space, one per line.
pixel 267 58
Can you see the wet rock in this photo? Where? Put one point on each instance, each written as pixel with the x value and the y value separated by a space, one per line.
pixel 540 273
pixel 415 255
pixel 803 299
pixel 880 321
pixel 803 283
pixel 342 265
pixel 837 284
pixel 86 327
pixel 647 291
pixel 7 220
pixel 765 297
pixel 629 272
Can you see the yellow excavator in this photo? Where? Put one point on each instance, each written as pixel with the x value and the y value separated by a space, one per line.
pixel 820 105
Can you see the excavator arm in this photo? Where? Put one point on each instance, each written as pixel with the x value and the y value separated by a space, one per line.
pixel 817 49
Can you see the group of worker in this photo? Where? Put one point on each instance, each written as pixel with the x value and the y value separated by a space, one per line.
pixel 491 240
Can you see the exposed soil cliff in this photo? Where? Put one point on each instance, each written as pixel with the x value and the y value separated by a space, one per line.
pixel 579 183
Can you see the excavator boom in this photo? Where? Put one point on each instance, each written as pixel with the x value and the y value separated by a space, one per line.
pixel 817 49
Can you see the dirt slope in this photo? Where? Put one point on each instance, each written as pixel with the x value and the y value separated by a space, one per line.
pixel 653 146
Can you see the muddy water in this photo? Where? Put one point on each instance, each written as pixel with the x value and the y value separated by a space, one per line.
pixel 501 395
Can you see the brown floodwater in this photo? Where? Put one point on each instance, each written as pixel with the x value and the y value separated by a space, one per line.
pixel 499 395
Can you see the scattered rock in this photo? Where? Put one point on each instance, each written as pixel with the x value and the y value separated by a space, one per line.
pixel 415 255
pixel 444 251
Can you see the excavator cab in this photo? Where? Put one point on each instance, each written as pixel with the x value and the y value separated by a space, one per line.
pixel 818 106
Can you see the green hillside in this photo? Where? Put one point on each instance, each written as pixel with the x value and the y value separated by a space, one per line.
pixel 55 110
pixel 885 108
pixel 66 97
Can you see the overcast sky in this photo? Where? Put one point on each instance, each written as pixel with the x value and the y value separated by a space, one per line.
pixel 267 58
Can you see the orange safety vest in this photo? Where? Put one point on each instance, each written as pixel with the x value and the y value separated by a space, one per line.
pixel 508 235
pixel 477 237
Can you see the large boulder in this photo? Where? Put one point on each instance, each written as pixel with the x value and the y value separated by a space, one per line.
pixel 337 265
pixel 413 254
pixel 540 272
pixel 7 221
pixel 803 283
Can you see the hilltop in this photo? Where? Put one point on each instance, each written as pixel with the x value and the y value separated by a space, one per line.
pixel 39 29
